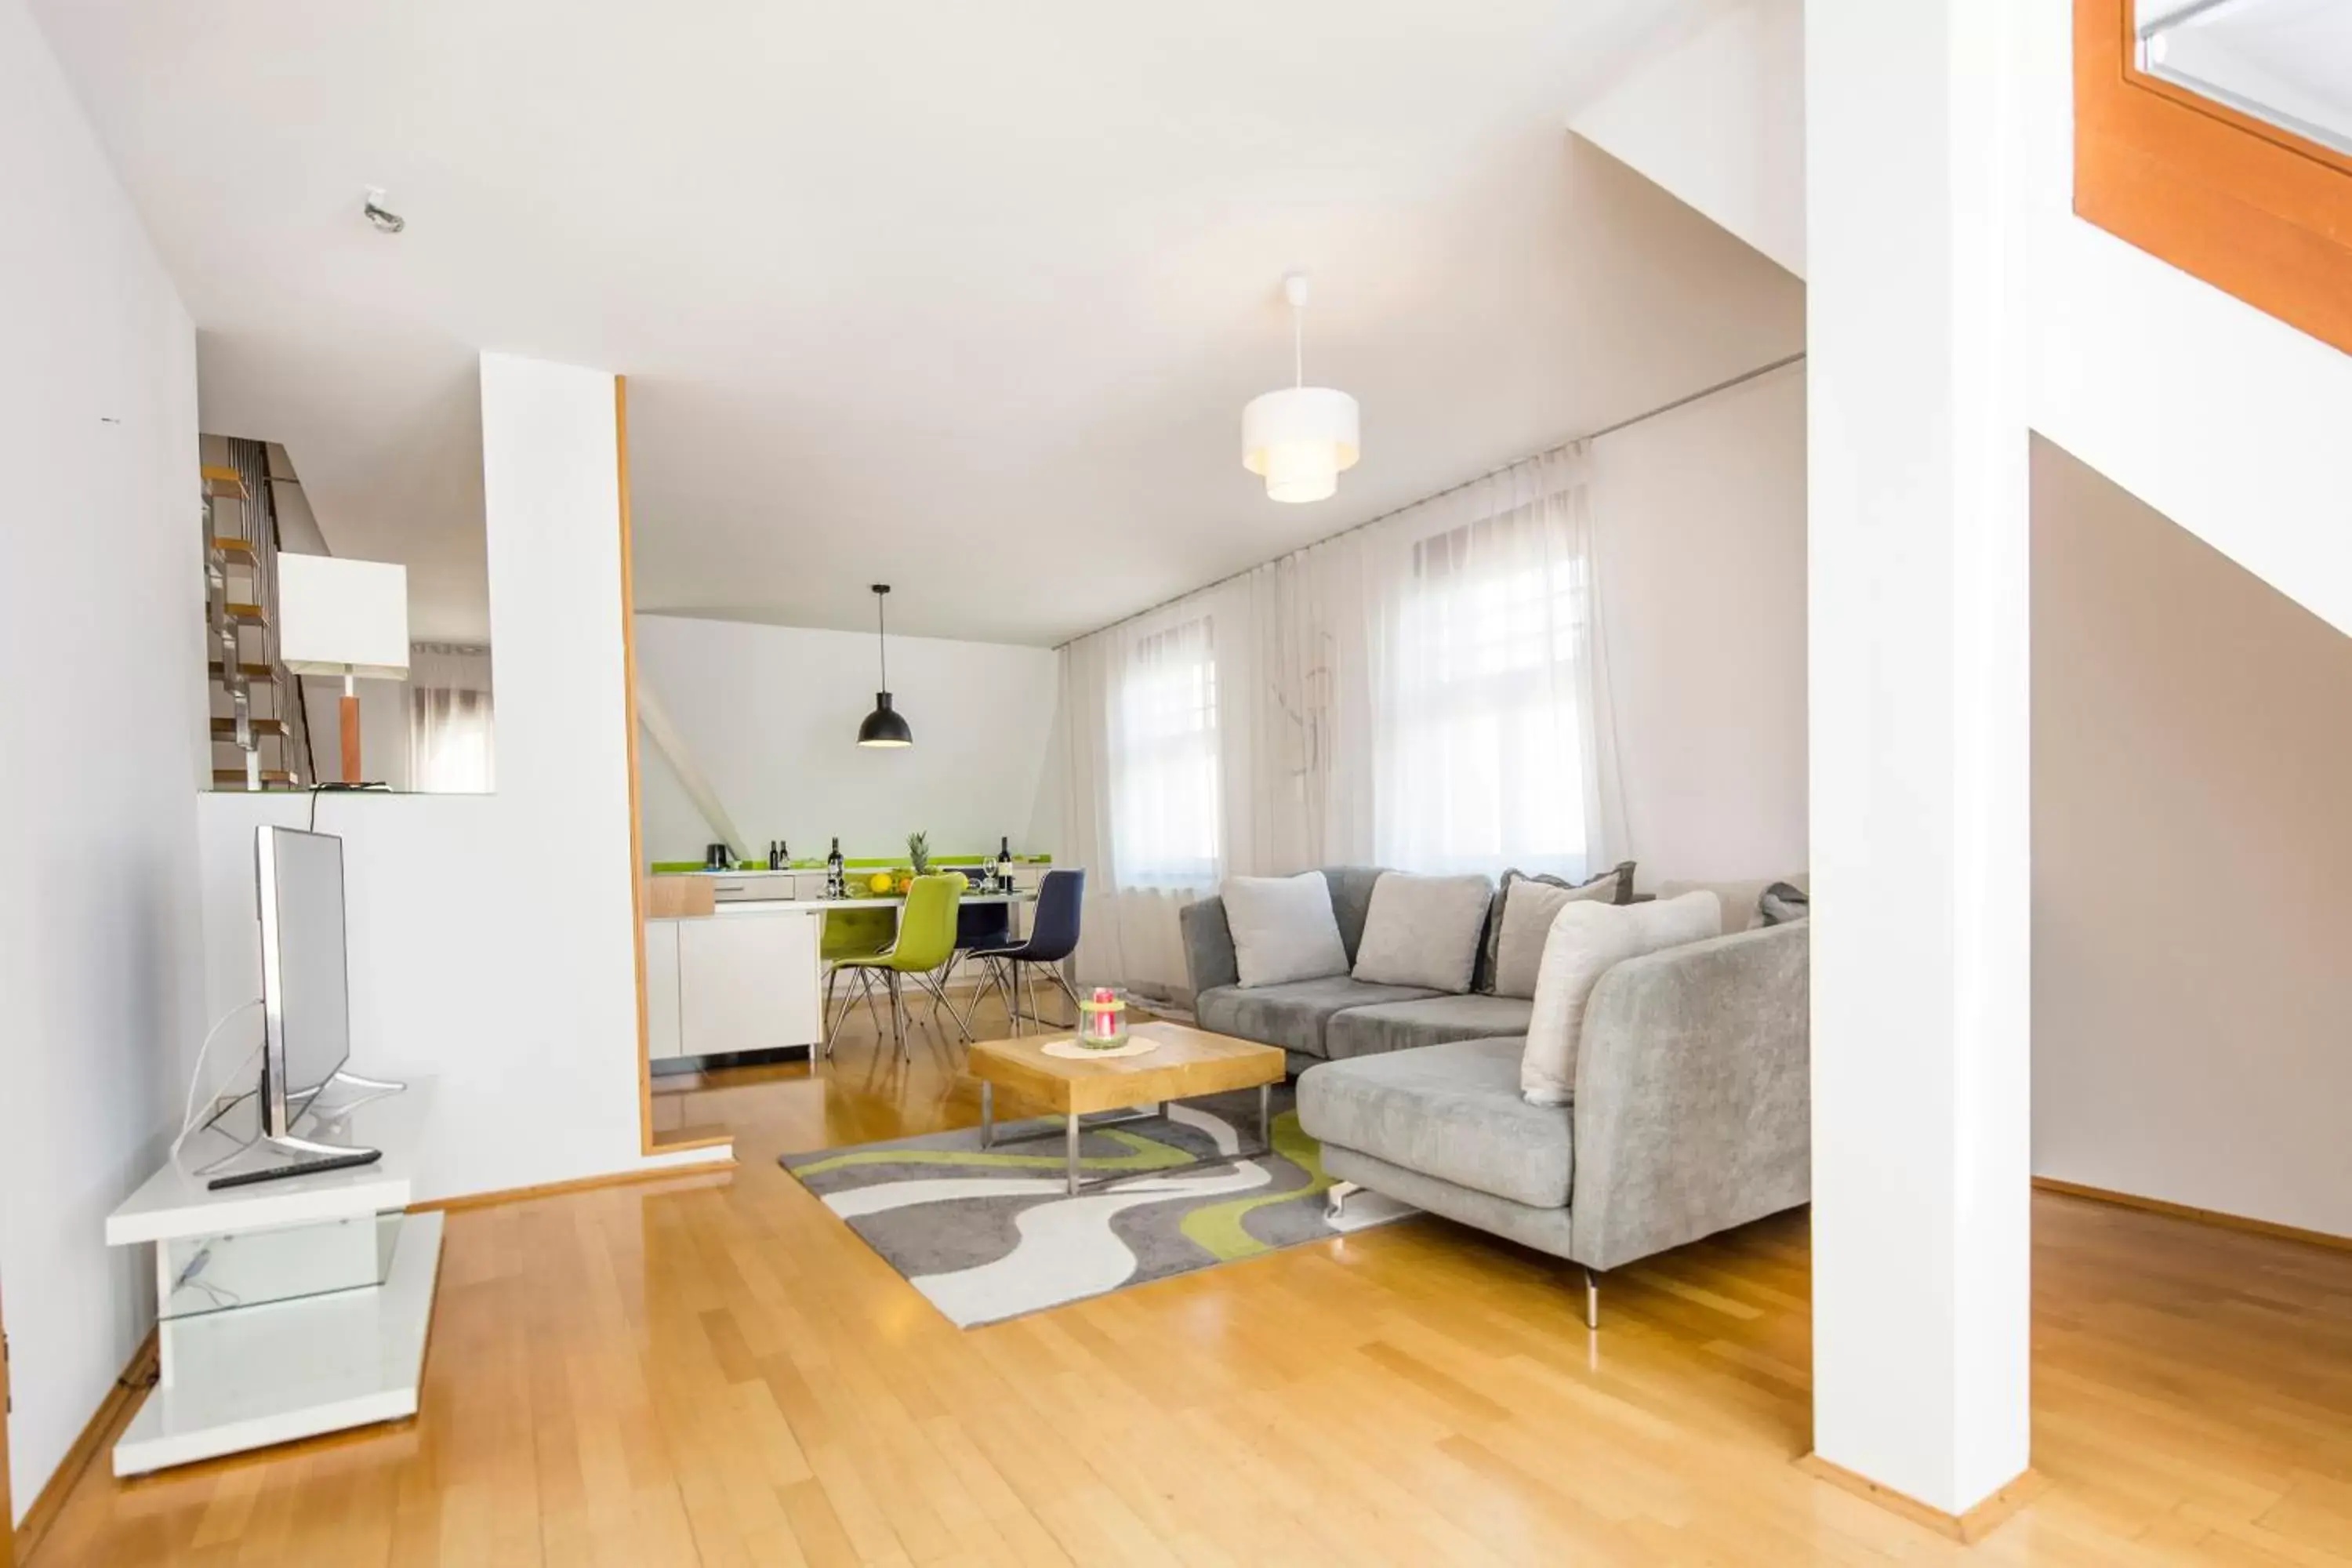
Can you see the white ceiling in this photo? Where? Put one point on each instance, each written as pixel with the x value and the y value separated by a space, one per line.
pixel 962 298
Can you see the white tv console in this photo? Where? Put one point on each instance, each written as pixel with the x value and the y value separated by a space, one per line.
pixel 288 1307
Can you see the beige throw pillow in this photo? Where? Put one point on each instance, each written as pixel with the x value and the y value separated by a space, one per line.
pixel 1585 941
pixel 1614 886
pixel 1529 910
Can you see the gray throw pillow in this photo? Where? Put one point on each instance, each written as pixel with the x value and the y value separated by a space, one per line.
pixel 1781 904
pixel 1283 929
pixel 1614 886
pixel 1423 930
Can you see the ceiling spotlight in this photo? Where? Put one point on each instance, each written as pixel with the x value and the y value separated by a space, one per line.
pixel 386 221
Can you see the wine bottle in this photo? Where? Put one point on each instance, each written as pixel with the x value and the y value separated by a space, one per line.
pixel 836 884
pixel 1004 863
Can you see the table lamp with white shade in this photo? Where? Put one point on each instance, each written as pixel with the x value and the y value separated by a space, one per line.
pixel 348 618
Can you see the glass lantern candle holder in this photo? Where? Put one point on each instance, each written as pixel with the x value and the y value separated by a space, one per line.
pixel 1102 1021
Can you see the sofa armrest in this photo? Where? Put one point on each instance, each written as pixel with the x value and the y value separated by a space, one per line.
pixel 1208 945
pixel 1692 1095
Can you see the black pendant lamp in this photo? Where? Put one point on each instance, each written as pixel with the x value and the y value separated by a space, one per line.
pixel 884 726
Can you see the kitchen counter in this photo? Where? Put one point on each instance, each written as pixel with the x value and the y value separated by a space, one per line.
pixel 747 976
pixel 782 906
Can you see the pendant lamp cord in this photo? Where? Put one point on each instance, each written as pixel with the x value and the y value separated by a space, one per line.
pixel 882 636
pixel 1299 345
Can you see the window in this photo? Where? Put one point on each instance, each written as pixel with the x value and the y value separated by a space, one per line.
pixel 1483 762
pixel 450 739
pixel 1164 811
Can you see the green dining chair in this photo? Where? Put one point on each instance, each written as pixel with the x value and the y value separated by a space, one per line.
pixel 926 935
pixel 849 935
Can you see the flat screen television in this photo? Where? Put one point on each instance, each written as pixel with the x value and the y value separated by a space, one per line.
pixel 305 980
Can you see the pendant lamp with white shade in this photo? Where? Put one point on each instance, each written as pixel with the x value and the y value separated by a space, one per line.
pixel 1299 439
pixel 885 727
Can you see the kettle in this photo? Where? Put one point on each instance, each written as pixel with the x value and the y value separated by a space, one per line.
pixel 719 857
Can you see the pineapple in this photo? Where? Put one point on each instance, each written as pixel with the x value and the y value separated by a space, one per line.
pixel 919 850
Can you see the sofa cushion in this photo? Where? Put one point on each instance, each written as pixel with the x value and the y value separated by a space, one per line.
pixel 1292 1016
pixel 1585 941
pixel 1740 898
pixel 1283 929
pixel 1528 907
pixel 1783 903
pixel 1452 1112
pixel 1403 1025
pixel 1423 930
pixel 1614 886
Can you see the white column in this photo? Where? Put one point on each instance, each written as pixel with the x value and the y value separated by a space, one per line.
pixel 1918 688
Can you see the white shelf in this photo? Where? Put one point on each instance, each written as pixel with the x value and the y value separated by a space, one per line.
pixel 170 1204
pixel 247 1376
pixel 257 1376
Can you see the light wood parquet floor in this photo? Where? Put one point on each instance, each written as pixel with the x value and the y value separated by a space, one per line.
pixel 711 1370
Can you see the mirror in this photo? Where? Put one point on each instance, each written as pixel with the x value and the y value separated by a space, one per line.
pixel 2288 63
pixel 293 602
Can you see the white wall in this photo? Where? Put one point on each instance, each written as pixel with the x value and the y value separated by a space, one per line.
pixel 1700 522
pixel 1720 123
pixel 770 715
pixel 2192 857
pixel 102 630
pixel 490 935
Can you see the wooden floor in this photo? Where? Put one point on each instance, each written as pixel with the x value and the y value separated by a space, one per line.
pixel 714 1371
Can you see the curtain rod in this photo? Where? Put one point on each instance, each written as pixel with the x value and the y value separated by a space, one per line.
pixel 1688 398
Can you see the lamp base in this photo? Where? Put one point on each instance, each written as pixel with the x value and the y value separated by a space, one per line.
pixel 350 740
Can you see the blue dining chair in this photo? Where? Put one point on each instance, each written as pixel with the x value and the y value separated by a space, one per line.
pixel 1053 937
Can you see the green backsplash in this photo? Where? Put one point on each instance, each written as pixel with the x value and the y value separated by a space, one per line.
pixel 661 868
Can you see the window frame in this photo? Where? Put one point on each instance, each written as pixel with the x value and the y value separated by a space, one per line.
pixel 2253 208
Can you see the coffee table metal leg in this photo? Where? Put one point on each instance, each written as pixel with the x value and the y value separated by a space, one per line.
pixel 987 1114
pixel 1266 1116
pixel 1070 1144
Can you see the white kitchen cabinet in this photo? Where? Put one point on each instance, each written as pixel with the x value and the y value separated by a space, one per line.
pixel 748 980
pixel 662 1024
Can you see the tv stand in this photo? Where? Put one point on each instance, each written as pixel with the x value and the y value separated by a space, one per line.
pixel 290 1308
pixel 310 1148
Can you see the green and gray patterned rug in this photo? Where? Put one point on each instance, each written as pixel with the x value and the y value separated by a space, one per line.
pixel 992 1234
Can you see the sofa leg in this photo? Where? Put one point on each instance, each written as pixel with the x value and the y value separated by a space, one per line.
pixel 1591 1299
pixel 1337 1195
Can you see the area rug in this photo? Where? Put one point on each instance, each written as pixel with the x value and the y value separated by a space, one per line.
pixel 991 1234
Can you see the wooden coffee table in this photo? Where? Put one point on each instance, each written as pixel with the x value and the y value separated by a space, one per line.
pixel 1188 1063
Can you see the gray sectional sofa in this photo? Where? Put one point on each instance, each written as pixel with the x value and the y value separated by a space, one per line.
pixel 1339 1017
pixel 1691 1113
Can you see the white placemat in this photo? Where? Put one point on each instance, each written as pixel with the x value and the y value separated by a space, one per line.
pixel 1070 1050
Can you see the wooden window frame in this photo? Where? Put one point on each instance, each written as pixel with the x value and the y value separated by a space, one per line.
pixel 2256 210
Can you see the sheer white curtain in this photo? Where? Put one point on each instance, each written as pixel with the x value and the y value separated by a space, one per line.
pixel 1491 738
pixel 1425 692
pixel 1166 783
pixel 451 745
pixel 1143 719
